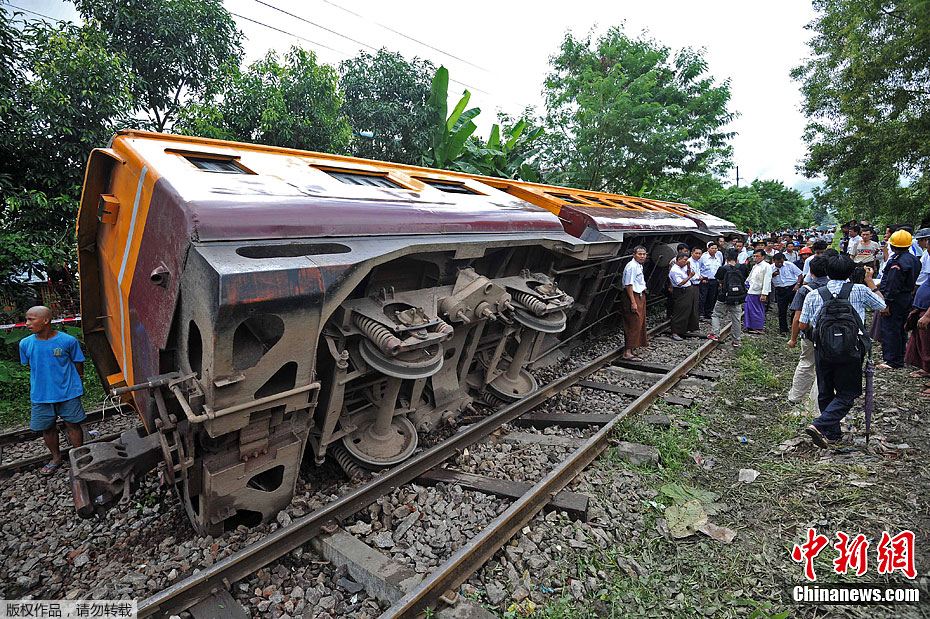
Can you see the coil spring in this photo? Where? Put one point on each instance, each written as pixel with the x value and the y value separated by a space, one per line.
pixel 347 463
pixel 379 334
pixel 535 305
pixel 492 400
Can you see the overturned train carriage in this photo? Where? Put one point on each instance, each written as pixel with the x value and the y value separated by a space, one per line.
pixel 260 306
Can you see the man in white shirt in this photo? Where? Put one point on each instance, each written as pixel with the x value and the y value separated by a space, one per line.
pixel 633 304
pixel 695 260
pixel 684 297
pixel 742 254
pixel 760 286
pixel 923 239
pixel 710 263
pixel 791 252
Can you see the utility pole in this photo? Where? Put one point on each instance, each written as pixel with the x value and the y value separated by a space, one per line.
pixel 737 176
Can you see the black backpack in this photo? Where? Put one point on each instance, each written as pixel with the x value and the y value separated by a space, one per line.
pixel 839 335
pixel 733 286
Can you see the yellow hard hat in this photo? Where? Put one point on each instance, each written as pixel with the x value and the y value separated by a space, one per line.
pixel 901 238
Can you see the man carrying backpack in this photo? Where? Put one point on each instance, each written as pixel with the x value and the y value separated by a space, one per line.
pixel 836 313
pixel 730 297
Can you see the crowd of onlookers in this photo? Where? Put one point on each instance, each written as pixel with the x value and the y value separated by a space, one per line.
pixel 820 284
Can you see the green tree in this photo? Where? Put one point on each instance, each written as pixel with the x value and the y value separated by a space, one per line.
pixel 177 49
pixel 867 98
pixel 294 102
pixel 70 92
pixel 624 113
pixel 763 205
pixel 388 96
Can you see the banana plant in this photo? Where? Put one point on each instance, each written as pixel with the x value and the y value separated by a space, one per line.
pixel 450 133
pixel 504 154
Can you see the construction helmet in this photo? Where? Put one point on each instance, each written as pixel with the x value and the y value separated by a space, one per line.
pixel 901 238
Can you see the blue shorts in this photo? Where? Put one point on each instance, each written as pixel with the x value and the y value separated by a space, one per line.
pixel 44 413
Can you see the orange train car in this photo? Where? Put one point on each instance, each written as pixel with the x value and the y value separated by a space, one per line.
pixel 261 305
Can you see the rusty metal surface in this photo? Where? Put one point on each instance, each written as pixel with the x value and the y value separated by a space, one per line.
pixel 187 592
pixel 482 547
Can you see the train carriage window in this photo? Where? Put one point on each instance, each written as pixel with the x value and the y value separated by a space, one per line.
pixel 595 200
pixel 364 180
pixel 221 166
pixel 449 186
pixel 565 197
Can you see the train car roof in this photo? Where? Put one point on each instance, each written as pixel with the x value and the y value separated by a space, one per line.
pixel 252 191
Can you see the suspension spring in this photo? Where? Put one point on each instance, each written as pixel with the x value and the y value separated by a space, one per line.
pixel 492 400
pixel 379 334
pixel 535 305
pixel 347 462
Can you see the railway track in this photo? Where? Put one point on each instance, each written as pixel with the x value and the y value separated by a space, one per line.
pixel 214 581
pixel 21 436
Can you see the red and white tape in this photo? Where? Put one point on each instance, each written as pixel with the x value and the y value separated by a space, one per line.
pixel 19 325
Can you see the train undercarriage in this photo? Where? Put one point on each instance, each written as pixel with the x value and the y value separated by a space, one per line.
pixel 352 354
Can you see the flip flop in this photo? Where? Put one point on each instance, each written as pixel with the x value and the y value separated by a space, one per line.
pixel 49 469
pixel 924 394
pixel 634 359
pixel 883 366
pixel 817 436
pixel 918 374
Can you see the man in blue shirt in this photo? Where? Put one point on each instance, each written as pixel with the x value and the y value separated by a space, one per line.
pixel 838 384
pixel 56 366
pixel 785 278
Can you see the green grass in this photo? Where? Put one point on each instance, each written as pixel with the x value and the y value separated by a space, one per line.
pixel 675 444
pixel 751 366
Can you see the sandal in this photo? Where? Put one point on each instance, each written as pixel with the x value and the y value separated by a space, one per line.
pixel 49 469
pixel 918 374
pixel 817 436
pixel 633 359
pixel 883 366
pixel 924 394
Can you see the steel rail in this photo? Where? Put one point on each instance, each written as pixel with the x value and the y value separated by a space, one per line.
pixel 191 590
pixel 479 549
pixel 20 435
pixel 17 466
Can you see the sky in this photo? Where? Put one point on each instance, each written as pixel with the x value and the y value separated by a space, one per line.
pixel 500 51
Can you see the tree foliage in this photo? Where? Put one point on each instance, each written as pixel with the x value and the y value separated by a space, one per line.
pixel 388 96
pixel 294 102
pixel 762 205
pixel 68 94
pixel 623 113
pixel 867 98
pixel 177 49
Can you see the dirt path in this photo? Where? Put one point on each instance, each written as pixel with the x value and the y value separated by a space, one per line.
pixel 852 488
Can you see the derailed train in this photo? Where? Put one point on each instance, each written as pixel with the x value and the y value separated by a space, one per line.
pixel 254 301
